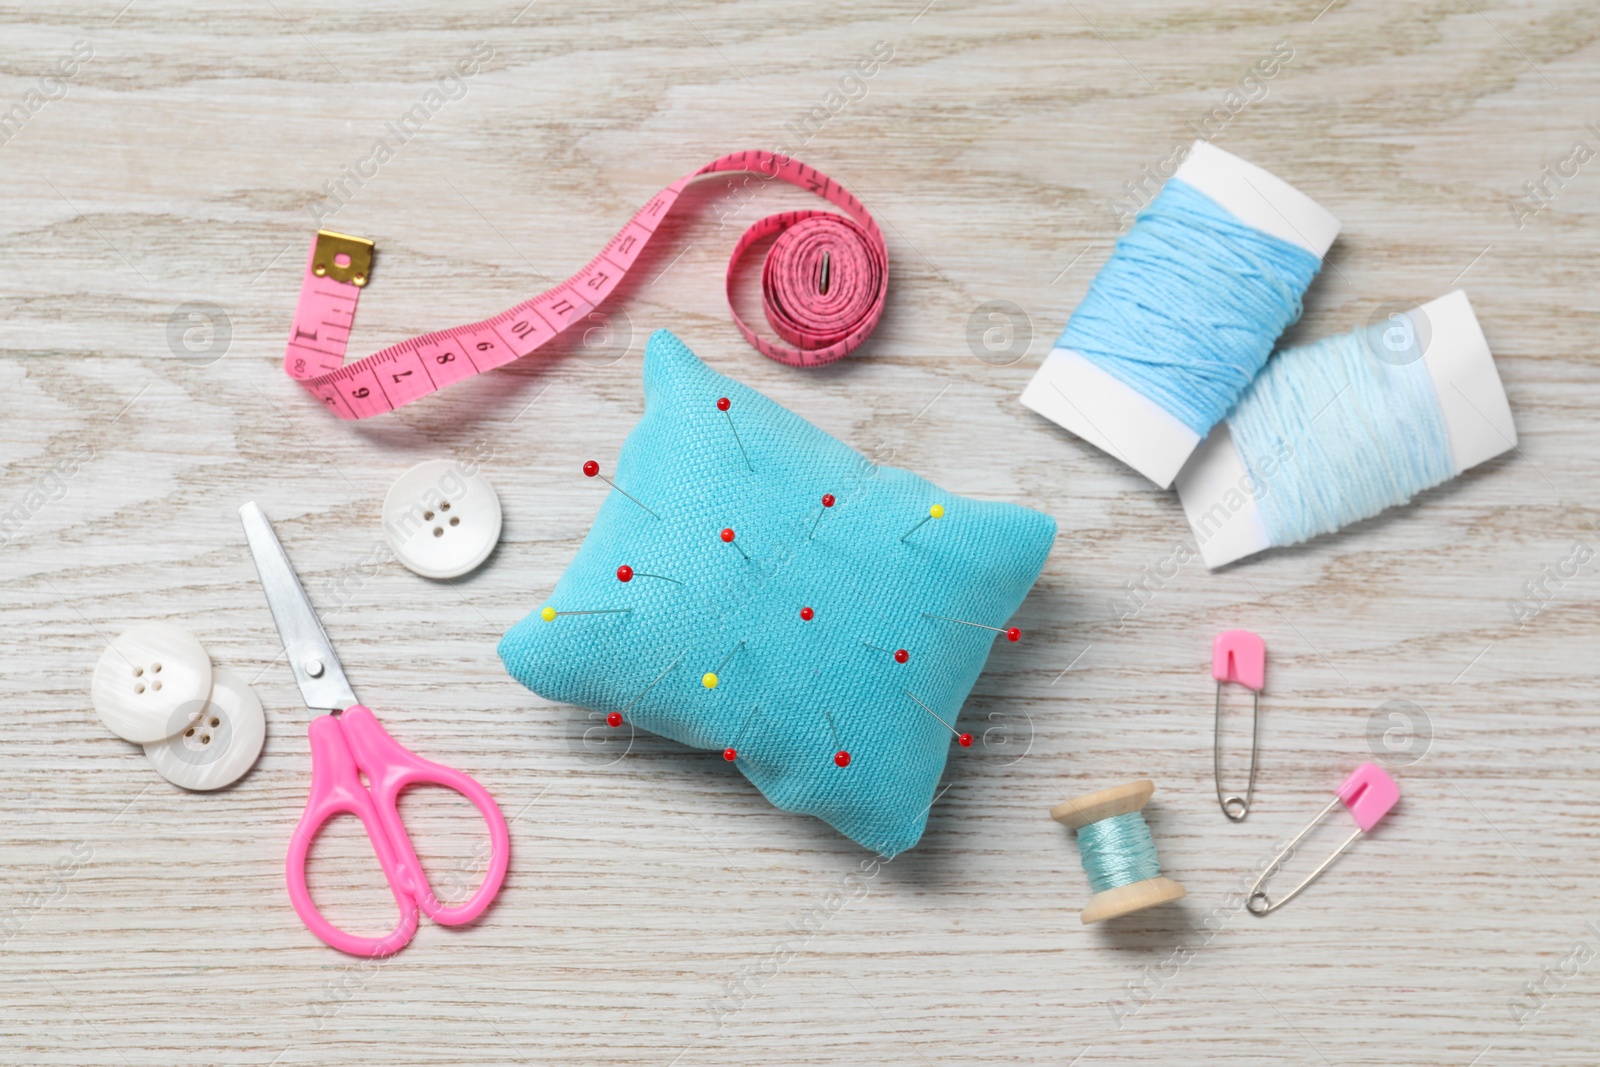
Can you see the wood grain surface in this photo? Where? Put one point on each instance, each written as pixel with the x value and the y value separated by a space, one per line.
pixel 658 910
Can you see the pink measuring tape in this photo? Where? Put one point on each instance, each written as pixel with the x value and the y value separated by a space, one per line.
pixel 823 288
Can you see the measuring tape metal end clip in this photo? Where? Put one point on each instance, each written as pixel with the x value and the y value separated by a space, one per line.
pixel 342 257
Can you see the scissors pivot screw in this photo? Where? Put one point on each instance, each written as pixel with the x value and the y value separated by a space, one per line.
pixel 314 668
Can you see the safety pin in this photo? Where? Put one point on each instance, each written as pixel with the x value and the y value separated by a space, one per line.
pixel 1237 656
pixel 1368 793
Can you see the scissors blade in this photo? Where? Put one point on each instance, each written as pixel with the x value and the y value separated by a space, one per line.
pixel 311 655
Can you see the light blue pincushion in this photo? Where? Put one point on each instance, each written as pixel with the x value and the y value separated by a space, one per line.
pixel 776 695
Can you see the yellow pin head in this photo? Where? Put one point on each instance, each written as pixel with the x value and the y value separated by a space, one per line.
pixel 936 512
pixel 548 614
pixel 709 680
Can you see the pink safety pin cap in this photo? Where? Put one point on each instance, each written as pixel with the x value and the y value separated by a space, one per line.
pixel 1369 793
pixel 1239 656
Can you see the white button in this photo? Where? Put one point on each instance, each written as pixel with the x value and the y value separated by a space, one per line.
pixel 441 521
pixel 145 676
pixel 220 740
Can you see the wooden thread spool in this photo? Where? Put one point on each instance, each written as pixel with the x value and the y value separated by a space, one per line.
pixel 1122 899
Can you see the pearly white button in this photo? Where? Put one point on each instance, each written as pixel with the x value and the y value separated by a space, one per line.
pixel 441 521
pixel 145 676
pixel 220 738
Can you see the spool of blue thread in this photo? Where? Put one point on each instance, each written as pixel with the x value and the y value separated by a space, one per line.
pixel 1117 851
pixel 1338 430
pixel 1184 313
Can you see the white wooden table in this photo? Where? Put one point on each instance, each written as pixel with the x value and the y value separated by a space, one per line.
pixel 658 910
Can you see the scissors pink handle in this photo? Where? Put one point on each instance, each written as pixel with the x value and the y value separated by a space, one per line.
pixel 343 748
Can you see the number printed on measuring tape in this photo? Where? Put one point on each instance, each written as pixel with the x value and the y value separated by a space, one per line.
pixel 824 282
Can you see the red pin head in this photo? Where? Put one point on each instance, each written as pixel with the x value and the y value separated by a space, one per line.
pixel 1013 634
pixel 807 614
pixel 900 655
pixel 627 574
pixel 591 469
pixel 730 754
pixel 614 719
pixel 727 536
pixel 827 502
pixel 841 758
pixel 723 404
pixel 964 740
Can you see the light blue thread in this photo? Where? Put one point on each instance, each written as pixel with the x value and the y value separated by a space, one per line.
pixel 1348 434
pixel 1188 307
pixel 1118 851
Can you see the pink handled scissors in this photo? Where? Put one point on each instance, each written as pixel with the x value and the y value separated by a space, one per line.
pixel 346 744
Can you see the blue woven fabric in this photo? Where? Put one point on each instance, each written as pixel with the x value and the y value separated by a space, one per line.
pixel 682 461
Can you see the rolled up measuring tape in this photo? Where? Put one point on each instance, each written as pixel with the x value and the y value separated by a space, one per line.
pixel 823 288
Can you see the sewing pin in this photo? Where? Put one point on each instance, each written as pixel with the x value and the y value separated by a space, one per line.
pixel 591 469
pixel 627 574
pixel 841 758
pixel 731 753
pixel 711 678
pixel 723 404
pixel 935 512
pixel 549 614
pixel 900 655
pixel 615 718
pixel 807 614
pixel 1012 633
pixel 964 740
pixel 727 538
pixel 827 502
pixel 822 282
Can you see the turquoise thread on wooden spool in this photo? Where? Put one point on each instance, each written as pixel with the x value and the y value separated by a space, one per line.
pixel 1122 862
